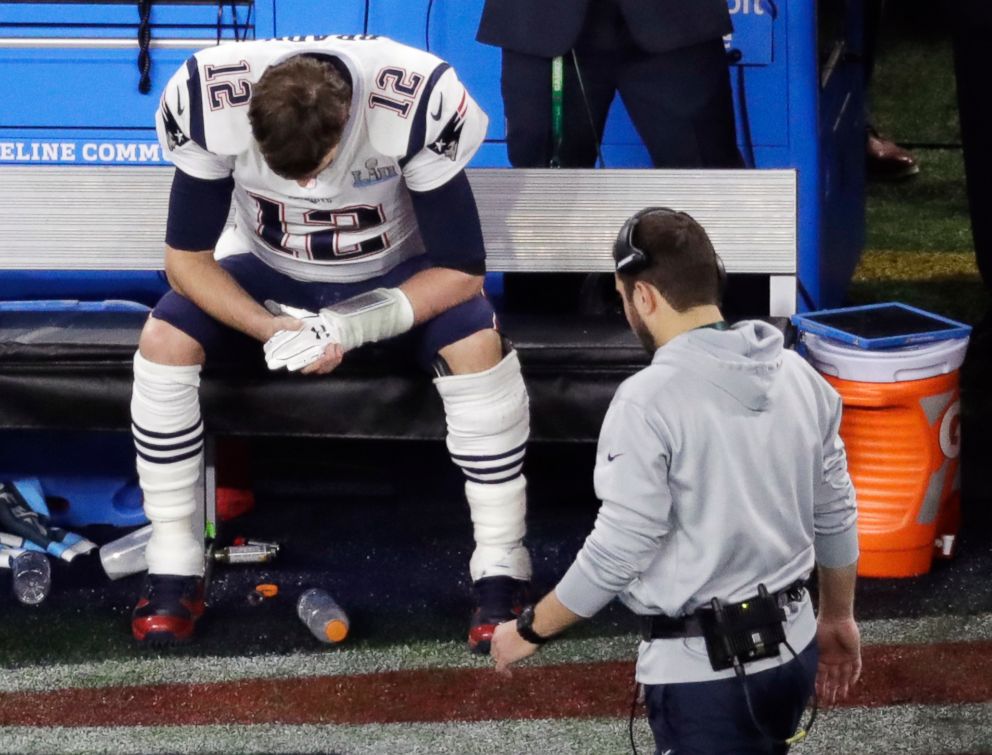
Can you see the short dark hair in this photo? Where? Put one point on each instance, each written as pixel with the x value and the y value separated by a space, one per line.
pixel 680 259
pixel 298 112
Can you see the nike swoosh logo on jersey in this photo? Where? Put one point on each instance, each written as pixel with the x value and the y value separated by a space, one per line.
pixel 440 102
pixel 611 457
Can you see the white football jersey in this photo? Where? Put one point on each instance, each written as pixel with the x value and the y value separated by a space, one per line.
pixel 412 126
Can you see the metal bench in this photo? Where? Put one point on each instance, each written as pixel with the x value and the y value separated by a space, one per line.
pixel 78 218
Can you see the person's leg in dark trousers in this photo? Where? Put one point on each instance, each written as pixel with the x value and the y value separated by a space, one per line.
pixel 712 717
pixel 872 15
pixel 681 104
pixel 972 26
pixel 526 90
pixel 591 82
pixel 588 93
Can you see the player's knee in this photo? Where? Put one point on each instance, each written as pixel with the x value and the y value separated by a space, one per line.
pixel 478 352
pixel 163 343
pixel 487 412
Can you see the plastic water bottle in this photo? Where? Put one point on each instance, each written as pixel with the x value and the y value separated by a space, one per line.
pixel 126 555
pixel 322 615
pixel 32 577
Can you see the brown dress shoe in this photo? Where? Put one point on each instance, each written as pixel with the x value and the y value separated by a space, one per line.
pixel 887 161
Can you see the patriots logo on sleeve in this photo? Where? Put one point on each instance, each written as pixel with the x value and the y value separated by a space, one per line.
pixel 446 144
pixel 173 132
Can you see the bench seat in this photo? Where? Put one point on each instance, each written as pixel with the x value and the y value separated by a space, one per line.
pixel 72 371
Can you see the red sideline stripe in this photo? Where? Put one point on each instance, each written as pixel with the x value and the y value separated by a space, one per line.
pixel 951 673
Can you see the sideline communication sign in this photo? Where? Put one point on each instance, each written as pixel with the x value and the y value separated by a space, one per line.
pixel 80 151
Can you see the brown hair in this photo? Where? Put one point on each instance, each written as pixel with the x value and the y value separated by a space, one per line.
pixel 298 111
pixel 681 261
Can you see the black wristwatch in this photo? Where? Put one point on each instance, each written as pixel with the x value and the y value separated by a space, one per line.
pixel 525 627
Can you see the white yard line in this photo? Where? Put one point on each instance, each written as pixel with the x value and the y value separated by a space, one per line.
pixel 360 660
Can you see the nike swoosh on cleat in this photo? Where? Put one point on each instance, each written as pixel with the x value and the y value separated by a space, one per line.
pixel 440 102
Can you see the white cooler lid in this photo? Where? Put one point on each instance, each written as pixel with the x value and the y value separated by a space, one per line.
pixel 898 365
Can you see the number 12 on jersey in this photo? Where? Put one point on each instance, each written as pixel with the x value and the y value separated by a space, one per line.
pixel 222 91
pixel 399 82
pixel 324 242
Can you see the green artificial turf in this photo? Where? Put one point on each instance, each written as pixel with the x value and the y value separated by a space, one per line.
pixel 928 212
pixel 919 248
pixel 912 94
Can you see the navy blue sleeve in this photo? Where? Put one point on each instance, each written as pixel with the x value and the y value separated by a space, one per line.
pixel 198 211
pixel 449 225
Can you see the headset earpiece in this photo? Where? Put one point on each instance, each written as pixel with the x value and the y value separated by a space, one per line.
pixel 628 258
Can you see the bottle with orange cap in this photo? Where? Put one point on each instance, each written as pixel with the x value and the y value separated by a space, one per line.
pixel 323 616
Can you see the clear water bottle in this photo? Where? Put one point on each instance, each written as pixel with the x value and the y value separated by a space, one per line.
pixel 322 615
pixel 32 577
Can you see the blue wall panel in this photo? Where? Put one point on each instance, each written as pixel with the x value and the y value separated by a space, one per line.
pixel 83 88
pixel 318 17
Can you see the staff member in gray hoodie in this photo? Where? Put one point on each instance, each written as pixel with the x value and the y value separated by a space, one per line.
pixel 721 475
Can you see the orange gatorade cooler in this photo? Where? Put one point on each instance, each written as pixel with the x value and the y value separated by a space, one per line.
pixel 901 428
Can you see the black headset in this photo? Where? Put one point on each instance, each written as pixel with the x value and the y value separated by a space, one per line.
pixel 630 259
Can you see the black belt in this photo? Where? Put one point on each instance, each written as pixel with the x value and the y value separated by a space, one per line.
pixel 663 627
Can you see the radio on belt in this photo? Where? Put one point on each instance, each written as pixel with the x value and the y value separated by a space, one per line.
pixel 743 632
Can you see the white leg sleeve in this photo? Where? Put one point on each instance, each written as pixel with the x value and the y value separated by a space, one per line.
pixel 488 426
pixel 168 439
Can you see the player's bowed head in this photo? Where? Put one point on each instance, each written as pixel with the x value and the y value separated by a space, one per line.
pixel 298 112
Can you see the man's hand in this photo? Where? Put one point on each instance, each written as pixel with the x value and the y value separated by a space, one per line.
pixel 303 341
pixel 508 647
pixel 551 617
pixel 840 659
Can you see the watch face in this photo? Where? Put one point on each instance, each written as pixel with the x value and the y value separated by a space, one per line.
pixel 526 618
pixel 524 626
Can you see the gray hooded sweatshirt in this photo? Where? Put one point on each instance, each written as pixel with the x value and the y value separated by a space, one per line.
pixel 719 467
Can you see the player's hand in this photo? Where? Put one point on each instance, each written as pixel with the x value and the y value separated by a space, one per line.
pixel 840 659
pixel 508 647
pixel 307 342
pixel 283 322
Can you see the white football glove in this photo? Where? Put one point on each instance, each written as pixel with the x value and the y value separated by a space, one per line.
pixel 373 316
pixel 295 349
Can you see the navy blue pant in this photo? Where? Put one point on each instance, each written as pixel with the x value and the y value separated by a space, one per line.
pixel 712 717
pixel 262 282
